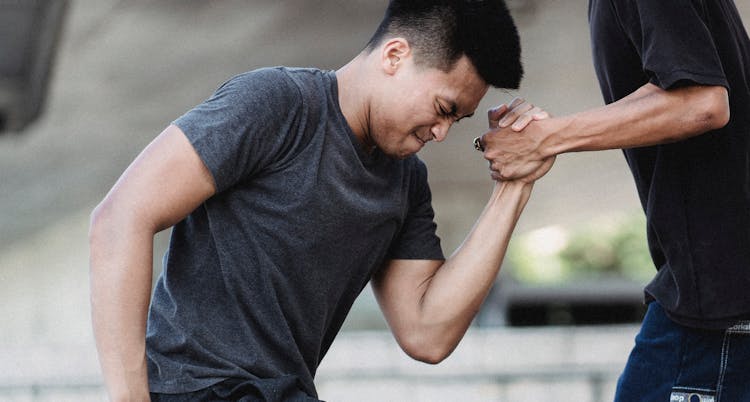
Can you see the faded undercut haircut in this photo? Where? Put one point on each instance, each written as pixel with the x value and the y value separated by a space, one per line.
pixel 441 31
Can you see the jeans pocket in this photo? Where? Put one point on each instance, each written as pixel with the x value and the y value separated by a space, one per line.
pixel 734 376
pixel 685 394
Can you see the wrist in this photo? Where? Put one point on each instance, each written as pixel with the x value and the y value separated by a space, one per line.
pixel 553 142
pixel 505 191
pixel 512 195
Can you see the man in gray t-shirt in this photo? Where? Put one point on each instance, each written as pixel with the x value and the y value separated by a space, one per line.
pixel 288 191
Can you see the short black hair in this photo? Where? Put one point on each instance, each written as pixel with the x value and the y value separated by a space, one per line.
pixel 441 31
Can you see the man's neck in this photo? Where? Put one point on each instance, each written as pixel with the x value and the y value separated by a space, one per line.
pixel 354 97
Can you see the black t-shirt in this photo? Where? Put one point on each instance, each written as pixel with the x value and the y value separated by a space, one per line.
pixel 696 192
pixel 259 279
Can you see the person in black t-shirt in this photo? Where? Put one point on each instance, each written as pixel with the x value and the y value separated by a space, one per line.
pixel 676 77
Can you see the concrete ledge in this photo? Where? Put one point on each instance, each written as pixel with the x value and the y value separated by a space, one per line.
pixel 507 364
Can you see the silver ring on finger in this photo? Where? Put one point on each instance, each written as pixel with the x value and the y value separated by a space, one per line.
pixel 478 144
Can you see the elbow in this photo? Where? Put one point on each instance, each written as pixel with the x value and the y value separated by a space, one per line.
pixel 100 229
pixel 115 219
pixel 714 112
pixel 97 223
pixel 109 224
pixel 425 350
pixel 102 222
pixel 428 355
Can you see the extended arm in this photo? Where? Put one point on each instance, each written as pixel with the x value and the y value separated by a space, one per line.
pixel 648 116
pixel 163 185
pixel 429 305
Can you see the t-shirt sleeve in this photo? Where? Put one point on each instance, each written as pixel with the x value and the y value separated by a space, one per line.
pixel 244 126
pixel 674 41
pixel 417 239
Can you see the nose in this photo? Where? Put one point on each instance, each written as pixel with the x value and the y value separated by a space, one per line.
pixel 440 130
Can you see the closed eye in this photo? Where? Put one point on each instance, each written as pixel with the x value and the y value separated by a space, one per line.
pixel 444 112
pixel 452 113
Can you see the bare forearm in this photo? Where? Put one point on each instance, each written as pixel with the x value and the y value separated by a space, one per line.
pixel 121 269
pixel 648 116
pixel 455 293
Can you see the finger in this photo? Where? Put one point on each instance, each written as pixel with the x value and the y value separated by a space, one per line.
pixel 541 170
pixel 489 156
pixel 500 171
pixel 494 115
pixel 514 114
pixel 495 172
pixel 515 102
pixel 526 118
pixel 541 115
pixel 521 122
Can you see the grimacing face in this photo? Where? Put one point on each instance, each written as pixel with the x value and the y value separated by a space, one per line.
pixel 421 103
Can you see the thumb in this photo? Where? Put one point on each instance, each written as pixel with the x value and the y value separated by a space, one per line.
pixel 495 114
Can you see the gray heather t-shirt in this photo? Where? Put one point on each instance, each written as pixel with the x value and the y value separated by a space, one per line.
pixel 258 280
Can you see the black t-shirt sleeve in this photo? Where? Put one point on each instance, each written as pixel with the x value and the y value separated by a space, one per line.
pixel 245 126
pixel 673 40
pixel 417 239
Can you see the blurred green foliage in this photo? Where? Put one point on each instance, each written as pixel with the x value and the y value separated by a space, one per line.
pixel 612 247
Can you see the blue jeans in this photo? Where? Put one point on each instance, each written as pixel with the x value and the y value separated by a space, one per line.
pixel 672 363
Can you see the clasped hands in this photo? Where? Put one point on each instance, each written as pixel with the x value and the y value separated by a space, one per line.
pixel 513 144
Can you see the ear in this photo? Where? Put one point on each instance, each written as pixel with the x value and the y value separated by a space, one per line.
pixel 393 55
